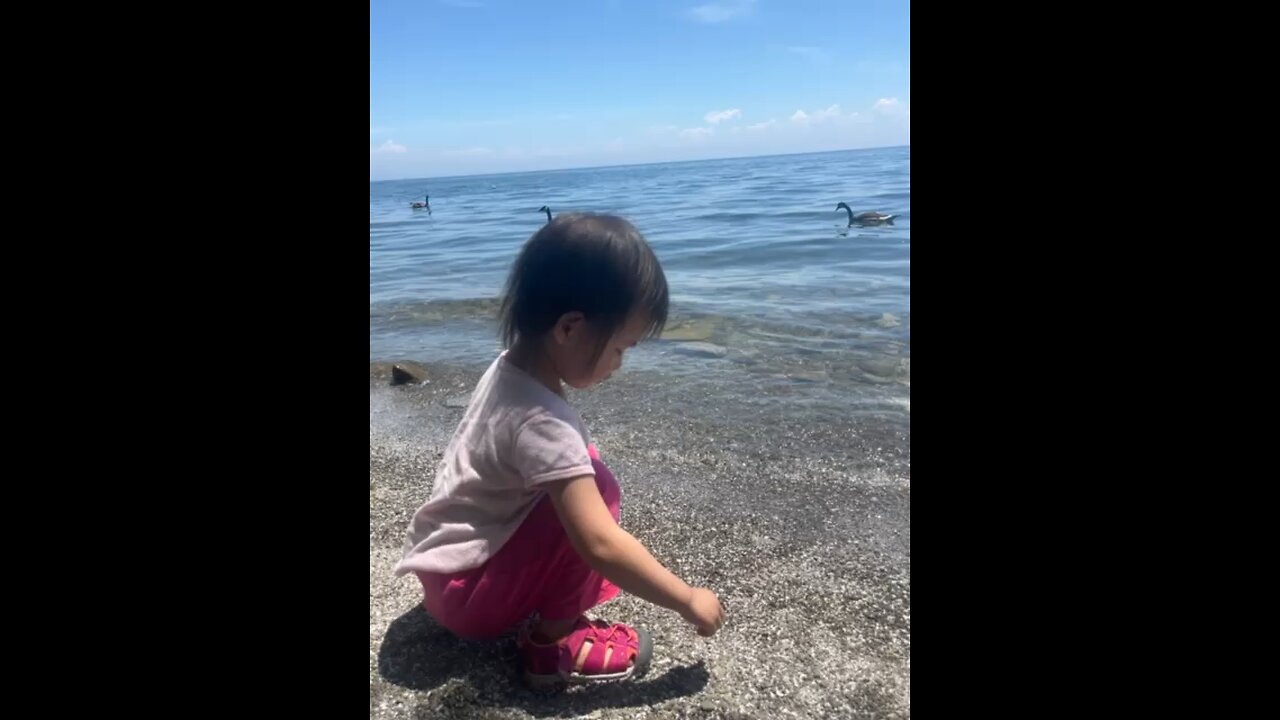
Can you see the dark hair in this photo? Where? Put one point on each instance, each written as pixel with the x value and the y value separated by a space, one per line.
pixel 599 265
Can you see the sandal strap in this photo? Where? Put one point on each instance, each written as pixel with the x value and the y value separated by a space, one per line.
pixel 618 642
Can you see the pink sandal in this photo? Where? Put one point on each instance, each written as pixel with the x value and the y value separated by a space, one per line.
pixel 594 651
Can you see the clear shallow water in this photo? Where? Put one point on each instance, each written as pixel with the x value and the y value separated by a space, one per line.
pixel 796 307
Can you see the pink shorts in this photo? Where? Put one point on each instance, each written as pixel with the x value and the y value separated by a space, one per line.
pixel 536 570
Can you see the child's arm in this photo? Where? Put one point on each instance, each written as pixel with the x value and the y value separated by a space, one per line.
pixel 615 554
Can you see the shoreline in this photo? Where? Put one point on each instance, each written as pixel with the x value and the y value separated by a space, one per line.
pixel 800 523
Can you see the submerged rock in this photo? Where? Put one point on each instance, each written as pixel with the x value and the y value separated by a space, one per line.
pixel 888 320
pixel 702 349
pixel 809 376
pixel 699 329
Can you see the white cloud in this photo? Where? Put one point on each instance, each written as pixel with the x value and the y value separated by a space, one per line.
pixel 695 133
pixel 892 107
pixel 762 125
pixel 391 146
pixel 721 11
pixel 833 111
pixel 718 116
pixel 888 106
pixel 817 116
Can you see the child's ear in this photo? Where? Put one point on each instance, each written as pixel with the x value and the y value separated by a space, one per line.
pixel 569 327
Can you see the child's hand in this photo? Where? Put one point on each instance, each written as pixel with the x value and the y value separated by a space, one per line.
pixel 704 612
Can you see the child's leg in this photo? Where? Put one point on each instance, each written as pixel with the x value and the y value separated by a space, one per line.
pixel 536 570
pixel 573 587
pixel 564 646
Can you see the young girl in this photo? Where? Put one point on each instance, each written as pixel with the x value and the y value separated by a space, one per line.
pixel 522 523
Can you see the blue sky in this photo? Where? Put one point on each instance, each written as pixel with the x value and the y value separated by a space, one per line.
pixel 460 87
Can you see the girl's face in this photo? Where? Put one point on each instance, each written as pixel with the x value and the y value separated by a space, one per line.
pixel 574 345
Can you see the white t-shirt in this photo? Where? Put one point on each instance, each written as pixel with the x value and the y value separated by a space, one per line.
pixel 514 435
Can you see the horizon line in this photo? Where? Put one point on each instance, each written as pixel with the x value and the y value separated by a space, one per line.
pixel 625 165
